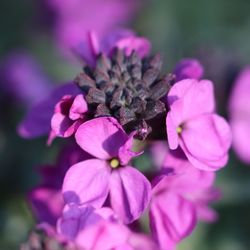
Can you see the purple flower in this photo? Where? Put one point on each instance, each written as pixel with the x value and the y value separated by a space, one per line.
pixel 23 79
pixel 37 121
pixel 188 68
pixel 126 40
pixel 178 199
pixel 204 136
pixel 70 113
pixel 98 229
pixel 90 182
pixel 73 19
pixel 239 112
pixel 41 197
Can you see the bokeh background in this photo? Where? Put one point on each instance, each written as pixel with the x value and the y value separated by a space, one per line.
pixel 217 32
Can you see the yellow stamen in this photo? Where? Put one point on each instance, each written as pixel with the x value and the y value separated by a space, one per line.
pixel 114 163
pixel 179 129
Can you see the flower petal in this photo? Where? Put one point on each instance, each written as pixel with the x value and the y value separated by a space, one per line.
pixel 103 236
pixel 130 193
pixel 105 134
pixel 190 98
pixel 172 218
pixel 188 68
pixel 125 152
pixel 207 139
pixel 139 44
pixel 78 108
pixel 173 139
pixel 37 121
pixel 241 134
pixel 87 183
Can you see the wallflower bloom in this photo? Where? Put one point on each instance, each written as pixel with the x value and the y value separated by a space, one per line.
pixel 69 114
pixel 178 199
pixel 204 136
pixel 98 229
pixel 239 112
pixel 90 182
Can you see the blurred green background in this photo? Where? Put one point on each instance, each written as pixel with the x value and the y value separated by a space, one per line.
pixel 217 32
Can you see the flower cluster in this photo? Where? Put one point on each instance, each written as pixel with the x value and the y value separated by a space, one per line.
pixel 121 107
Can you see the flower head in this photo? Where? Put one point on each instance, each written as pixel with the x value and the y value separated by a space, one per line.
pixel 90 182
pixel 204 136
pixel 70 113
pixel 178 199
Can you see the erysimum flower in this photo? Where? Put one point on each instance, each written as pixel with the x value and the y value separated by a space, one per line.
pixel 90 182
pixel 70 113
pixel 204 136
pixel 178 199
pixel 98 229
pixel 239 112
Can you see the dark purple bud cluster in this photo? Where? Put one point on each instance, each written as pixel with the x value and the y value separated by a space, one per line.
pixel 126 87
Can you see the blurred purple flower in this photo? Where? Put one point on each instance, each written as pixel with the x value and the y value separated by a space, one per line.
pixel 239 112
pixel 188 68
pixel 98 229
pixel 191 121
pixel 179 198
pixel 23 79
pixel 90 182
pixel 74 18
pixel 49 190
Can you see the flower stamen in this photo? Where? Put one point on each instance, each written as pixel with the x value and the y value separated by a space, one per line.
pixel 114 163
pixel 179 130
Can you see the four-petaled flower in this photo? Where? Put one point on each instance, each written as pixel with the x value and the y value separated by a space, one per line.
pixel 204 136
pixel 90 182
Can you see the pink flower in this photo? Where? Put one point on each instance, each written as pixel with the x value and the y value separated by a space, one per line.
pixel 70 113
pixel 90 182
pixel 99 229
pixel 188 68
pixel 178 199
pixel 37 121
pixel 204 136
pixel 239 112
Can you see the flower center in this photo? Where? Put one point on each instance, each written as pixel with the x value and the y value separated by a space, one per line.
pixel 114 163
pixel 128 88
pixel 179 130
